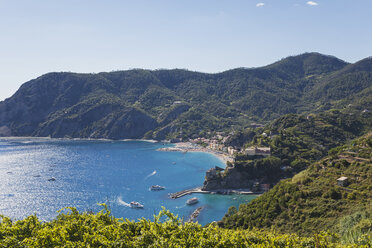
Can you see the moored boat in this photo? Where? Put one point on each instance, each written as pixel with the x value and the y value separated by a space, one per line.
pixel 156 187
pixel 134 204
pixel 192 201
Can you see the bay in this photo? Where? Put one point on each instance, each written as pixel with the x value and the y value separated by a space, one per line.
pixel 88 172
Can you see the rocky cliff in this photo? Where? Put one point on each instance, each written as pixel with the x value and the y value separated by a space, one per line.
pixel 231 178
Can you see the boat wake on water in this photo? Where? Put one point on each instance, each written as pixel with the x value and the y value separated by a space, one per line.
pixel 123 203
pixel 179 207
pixel 150 175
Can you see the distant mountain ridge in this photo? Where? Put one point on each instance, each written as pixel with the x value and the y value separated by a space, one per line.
pixel 177 103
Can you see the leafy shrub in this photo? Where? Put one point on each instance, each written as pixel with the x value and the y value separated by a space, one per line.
pixel 74 229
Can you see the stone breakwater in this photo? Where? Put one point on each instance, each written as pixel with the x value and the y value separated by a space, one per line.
pixel 187 192
pixel 195 214
pixel 219 191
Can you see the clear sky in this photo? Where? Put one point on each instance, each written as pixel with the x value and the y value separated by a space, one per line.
pixel 40 36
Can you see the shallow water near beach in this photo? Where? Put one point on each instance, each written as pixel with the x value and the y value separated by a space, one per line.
pixel 88 172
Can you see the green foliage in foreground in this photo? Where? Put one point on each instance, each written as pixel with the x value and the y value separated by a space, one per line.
pixel 74 229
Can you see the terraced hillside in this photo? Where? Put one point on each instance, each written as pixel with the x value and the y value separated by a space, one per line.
pixel 312 200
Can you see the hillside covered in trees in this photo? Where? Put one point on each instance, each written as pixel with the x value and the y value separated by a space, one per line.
pixel 164 104
pixel 295 140
pixel 312 200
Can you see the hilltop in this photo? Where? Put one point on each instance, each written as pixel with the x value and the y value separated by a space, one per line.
pixel 165 104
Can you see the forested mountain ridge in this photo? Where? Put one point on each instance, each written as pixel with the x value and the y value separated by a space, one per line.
pixel 179 103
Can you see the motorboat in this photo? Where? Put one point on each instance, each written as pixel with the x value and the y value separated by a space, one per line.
pixel 156 187
pixel 52 179
pixel 192 201
pixel 135 204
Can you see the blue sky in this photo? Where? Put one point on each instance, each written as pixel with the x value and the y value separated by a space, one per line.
pixel 41 36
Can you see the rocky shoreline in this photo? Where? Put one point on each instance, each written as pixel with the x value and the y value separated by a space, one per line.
pixel 195 214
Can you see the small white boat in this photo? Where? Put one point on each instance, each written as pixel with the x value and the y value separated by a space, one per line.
pixel 134 204
pixel 192 201
pixel 156 187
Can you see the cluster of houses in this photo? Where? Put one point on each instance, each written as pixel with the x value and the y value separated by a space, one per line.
pixel 216 143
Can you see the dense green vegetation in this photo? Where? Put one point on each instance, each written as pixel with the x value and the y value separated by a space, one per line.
pixel 179 103
pixel 344 86
pixel 296 141
pixel 305 139
pixel 74 229
pixel 312 201
pixel 313 104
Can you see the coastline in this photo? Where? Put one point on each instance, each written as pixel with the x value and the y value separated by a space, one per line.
pixel 191 147
pixel 178 147
pixel 66 166
pixel 79 139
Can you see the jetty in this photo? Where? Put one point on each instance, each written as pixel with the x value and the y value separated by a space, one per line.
pixel 187 192
pixel 219 191
pixel 195 214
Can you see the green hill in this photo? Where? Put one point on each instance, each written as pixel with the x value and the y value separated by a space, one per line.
pixel 295 140
pixel 179 103
pixel 312 201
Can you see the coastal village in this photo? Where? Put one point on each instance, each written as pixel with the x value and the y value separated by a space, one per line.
pixel 228 180
pixel 217 146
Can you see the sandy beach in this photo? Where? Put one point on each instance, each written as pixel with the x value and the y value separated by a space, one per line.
pixel 191 147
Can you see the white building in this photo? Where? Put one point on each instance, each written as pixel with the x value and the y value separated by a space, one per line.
pixel 258 151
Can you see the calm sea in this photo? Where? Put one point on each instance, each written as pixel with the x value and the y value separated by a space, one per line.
pixel 113 172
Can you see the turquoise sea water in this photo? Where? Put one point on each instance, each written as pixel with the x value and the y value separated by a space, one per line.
pixel 113 172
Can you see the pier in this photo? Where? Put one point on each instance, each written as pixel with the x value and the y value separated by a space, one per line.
pixel 187 192
pixel 219 191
